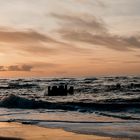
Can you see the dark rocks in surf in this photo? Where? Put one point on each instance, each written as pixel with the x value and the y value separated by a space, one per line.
pixel 71 90
pixel 18 85
pixel 61 90
pixel 134 85
pixel 116 87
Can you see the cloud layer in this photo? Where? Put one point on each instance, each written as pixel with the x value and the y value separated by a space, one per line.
pixel 90 30
pixel 28 41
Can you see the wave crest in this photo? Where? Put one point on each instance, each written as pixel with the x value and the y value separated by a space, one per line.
pixel 13 101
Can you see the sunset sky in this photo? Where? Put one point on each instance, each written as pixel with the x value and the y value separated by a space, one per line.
pixel 69 38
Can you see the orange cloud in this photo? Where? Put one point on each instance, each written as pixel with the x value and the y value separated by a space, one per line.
pixel 33 42
pixel 28 36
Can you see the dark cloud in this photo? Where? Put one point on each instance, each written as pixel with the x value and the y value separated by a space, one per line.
pixel 29 67
pixel 93 31
pixel 17 68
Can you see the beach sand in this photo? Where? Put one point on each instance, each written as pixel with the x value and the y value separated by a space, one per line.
pixel 17 131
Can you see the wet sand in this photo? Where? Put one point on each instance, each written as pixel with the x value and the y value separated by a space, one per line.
pixel 17 131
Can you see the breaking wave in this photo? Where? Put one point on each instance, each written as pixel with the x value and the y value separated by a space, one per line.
pixel 13 101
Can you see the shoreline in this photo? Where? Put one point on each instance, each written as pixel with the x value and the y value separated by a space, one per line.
pixel 18 131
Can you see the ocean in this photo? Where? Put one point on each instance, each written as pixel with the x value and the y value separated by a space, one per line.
pixel 108 106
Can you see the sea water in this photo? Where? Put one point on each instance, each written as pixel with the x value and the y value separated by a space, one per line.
pixel 107 106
